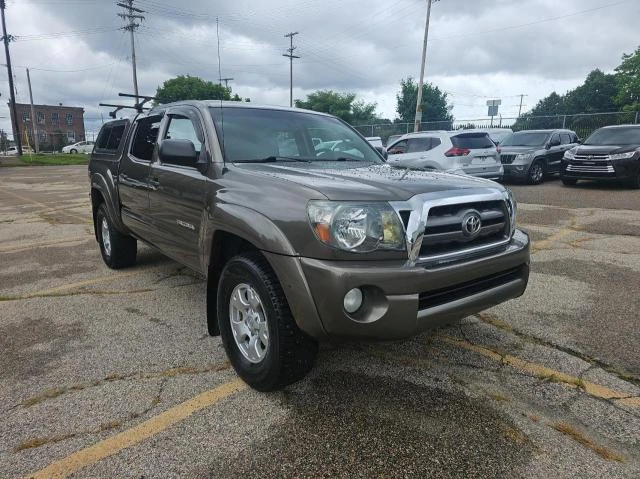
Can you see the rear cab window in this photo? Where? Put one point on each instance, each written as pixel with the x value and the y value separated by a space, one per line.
pixel 472 141
pixel 110 137
pixel 145 137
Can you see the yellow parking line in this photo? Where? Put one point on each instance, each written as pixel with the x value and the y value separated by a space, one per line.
pixel 79 284
pixel 538 370
pixel 137 434
pixel 12 248
pixel 39 203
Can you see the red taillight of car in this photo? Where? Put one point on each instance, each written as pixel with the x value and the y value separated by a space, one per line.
pixel 457 152
pixel 499 149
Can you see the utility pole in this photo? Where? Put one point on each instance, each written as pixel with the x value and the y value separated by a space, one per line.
pixel 226 81
pixel 418 119
pixel 34 122
pixel 131 27
pixel 520 109
pixel 7 38
pixel 291 56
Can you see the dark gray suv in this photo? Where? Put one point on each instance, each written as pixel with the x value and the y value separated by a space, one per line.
pixel 530 155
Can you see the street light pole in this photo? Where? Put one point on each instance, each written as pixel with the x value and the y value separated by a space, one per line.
pixel 418 119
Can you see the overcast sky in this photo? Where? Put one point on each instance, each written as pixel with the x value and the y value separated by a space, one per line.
pixel 478 49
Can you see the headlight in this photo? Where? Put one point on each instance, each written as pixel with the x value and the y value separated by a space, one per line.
pixel 523 157
pixel 570 154
pixel 623 156
pixel 356 227
pixel 512 208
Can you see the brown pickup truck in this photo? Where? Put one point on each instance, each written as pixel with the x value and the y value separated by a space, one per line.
pixel 302 230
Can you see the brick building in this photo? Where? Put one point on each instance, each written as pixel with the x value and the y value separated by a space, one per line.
pixel 56 126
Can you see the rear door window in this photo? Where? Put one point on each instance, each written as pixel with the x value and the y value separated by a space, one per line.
pixel 472 141
pixel 418 144
pixel 144 140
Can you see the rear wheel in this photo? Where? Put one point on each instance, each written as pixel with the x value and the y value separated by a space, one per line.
pixel 536 172
pixel 118 250
pixel 259 334
pixel 569 181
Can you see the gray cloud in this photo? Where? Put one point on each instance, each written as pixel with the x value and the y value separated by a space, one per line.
pixel 477 49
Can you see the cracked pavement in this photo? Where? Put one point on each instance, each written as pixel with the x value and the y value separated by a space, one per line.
pixel 547 385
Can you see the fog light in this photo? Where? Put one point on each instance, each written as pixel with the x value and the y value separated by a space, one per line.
pixel 353 300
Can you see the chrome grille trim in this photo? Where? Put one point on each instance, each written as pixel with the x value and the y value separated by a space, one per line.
pixel 420 205
pixel 507 159
pixel 592 157
pixel 590 168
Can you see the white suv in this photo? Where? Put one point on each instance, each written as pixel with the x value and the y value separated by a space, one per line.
pixel 452 151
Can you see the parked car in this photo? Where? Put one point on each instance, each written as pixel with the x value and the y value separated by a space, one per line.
pixel 391 139
pixel 497 135
pixel 530 155
pixel 80 147
pixel 376 141
pixel 471 153
pixel 13 150
pixel 610 153
pixel 301 248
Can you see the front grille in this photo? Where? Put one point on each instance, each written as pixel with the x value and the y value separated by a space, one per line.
pixel 444 234
pixel 592 157
pixel 430 299
pixel 507 159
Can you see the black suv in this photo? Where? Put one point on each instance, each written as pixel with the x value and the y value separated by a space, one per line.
pixel 610 153
pixel 531 154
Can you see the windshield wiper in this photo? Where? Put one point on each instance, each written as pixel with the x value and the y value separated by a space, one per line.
pixel 273 159
pixel 342 158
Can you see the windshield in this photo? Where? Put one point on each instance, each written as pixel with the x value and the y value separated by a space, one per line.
pixel 254 134
pixel 526 139
pixel 614 136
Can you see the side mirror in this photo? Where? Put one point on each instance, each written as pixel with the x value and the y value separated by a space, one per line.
pixel 178 152
pixel 382 151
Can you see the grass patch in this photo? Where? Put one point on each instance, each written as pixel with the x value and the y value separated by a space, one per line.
pixel 577 436
pixel 57 159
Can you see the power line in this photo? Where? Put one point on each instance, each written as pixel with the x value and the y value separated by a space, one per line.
pixel 132 14
pixel 291 56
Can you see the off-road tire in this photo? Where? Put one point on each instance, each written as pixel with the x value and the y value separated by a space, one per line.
pixel 123 247
pixel 291 353
pixel 536 173
pixel 569 181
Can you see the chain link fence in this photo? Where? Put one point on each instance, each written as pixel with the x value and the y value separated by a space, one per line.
pixel 582 123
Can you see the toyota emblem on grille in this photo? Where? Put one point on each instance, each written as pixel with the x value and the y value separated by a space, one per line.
pixel 471 224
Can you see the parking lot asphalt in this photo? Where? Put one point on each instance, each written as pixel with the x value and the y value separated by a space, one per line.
pixel 112 374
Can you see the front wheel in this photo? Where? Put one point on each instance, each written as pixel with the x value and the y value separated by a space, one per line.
pixel 536 172
pixel 635 182
pixel 118 250
pixel 259 334
pixel 569 181
pixel 73 151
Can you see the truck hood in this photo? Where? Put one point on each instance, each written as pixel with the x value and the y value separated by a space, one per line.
pixel 366 183
pixel 604 149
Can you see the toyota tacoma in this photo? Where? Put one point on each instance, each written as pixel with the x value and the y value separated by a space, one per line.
pixel 299 241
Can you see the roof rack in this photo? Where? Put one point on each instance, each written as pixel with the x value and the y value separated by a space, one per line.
pixel 139 107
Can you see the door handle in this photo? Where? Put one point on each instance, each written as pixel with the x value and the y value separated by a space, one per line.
pixel 154 183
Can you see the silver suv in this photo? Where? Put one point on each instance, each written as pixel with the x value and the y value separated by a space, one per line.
pixel 472 153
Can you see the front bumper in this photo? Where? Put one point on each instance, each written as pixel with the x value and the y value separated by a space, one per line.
pixel 516 171
pixel 618 170
pixel 399 300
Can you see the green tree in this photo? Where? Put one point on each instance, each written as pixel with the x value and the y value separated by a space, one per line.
pixel 342 105
pixel 596 94
pixel 435 106
pixel 628 82
pixel 191 88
